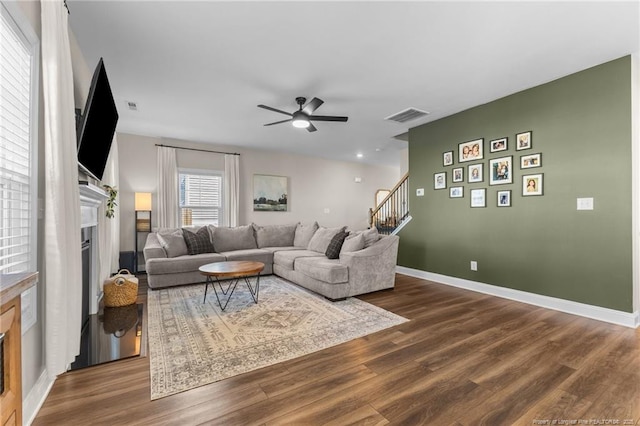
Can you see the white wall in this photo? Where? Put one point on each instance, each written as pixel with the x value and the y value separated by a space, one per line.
pixel 314 184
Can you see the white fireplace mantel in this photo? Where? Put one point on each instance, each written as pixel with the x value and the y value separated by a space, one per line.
pixel 91 197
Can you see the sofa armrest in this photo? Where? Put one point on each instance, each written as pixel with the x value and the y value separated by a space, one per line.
pixel 152 248
pixel 372 268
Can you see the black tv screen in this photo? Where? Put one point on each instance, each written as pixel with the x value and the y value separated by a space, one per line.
pixel 97 124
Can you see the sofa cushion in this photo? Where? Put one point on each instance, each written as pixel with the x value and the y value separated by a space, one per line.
pixel 286 258
pixel 333 249
pixel 276 249
pixel 256 255
pixel 181 264
pixel 322 237
pixel 304 233
pixel 173 243
pixel 237 238
pixel 371 236
pixel 197 242
pixel 326 270
pixel 353 243
pixel 275 235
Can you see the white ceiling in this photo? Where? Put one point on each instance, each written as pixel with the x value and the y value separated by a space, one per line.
pixel 197 70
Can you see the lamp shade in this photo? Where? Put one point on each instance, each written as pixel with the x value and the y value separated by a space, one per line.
pixel 143 202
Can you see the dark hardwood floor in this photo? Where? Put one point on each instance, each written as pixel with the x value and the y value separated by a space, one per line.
pixel 464 359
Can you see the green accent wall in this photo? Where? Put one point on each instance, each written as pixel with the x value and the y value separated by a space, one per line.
pixel 541 244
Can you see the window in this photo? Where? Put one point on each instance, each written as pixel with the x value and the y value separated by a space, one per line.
pixel 18 124
pixel 200 197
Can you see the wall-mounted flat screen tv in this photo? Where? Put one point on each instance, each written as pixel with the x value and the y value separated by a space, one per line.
pixel 97 125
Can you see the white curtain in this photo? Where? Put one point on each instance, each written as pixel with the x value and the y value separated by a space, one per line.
pixel 167 188
pixel 109 228
pixel 231 204
pixel 63 262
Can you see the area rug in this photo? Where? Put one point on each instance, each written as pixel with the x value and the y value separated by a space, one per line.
pixel 192 343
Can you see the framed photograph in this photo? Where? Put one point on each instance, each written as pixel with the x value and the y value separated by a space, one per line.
pixel 523 141
pixel 479 197
pixel 532 185
pixel 504 198
pixel 475 173
pixel 440 180
pixel 498 145
pixel 456 192
pixel 530 161
pixel 270 193
pixel 447 158
pixel 458 174
pixel 501 170
pixel 472 150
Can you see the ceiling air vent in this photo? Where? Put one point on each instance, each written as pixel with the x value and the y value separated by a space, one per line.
pixel 407 115
pixel 132 106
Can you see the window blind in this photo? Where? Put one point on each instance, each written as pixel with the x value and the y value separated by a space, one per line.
pixel 200 198
pixel 15 149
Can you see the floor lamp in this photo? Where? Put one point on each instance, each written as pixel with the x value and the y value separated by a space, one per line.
pixel 143 219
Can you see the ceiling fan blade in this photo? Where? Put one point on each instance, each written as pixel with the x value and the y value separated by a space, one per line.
pixel 275 110
pixel 312 106
pixel 277 122
pixel 311 128
pixel 327 118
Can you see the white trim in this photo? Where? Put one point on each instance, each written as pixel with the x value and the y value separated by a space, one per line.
pixel 402 225
pixel 635 178
pixel 589 311
pixel 36 397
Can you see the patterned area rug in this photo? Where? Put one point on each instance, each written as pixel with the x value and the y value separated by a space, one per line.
pixel 192 344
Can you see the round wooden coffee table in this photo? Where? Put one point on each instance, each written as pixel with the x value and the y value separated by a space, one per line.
pixel 228 270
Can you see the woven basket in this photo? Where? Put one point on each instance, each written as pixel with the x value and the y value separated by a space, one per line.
pixel 120 290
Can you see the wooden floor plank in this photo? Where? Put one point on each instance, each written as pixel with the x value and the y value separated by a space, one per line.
pixel 464 358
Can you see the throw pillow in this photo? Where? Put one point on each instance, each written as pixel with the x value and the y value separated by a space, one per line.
pixel 322 237
pixel 197 242
pixel 333 249
pixel 236 238
pixel 353 243
pixel 173 243
pixel 275 235
pixel 370 236
pixel 304 233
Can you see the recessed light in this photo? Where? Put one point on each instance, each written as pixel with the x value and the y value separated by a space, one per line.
pixel 359 155
pixel 378 150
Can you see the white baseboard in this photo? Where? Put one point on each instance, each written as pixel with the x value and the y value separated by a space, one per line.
pixel 594 312
pixel 36 397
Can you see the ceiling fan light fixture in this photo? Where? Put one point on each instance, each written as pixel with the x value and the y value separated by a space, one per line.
pixel 300 123
pixel 300 120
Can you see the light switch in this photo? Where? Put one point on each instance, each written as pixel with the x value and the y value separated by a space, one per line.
pixel 585 203
pixel 420 192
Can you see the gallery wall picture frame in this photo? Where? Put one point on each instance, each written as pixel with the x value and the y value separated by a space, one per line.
pixel 475 173
pixel 456 192
pixel 523 140
pixel 532 185
pixel 498 145
pixel 470 151
pixel 504 198
pixel 479 197
pixel 447 158
pixel 458 174
pixel 531 161
pixel 270 193
pixel 440 180
pixel 501 170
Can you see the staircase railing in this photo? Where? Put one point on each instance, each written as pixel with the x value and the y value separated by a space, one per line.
pixel 393 210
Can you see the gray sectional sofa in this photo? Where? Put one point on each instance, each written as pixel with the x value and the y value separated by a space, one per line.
pixel 317 258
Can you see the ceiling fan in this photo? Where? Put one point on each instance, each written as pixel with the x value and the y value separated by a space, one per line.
pixel 303 117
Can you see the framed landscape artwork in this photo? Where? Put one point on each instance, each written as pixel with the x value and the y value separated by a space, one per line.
pixel 270 193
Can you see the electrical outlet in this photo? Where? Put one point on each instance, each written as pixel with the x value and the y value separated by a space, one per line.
pixel 474 265
pixel 420 192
